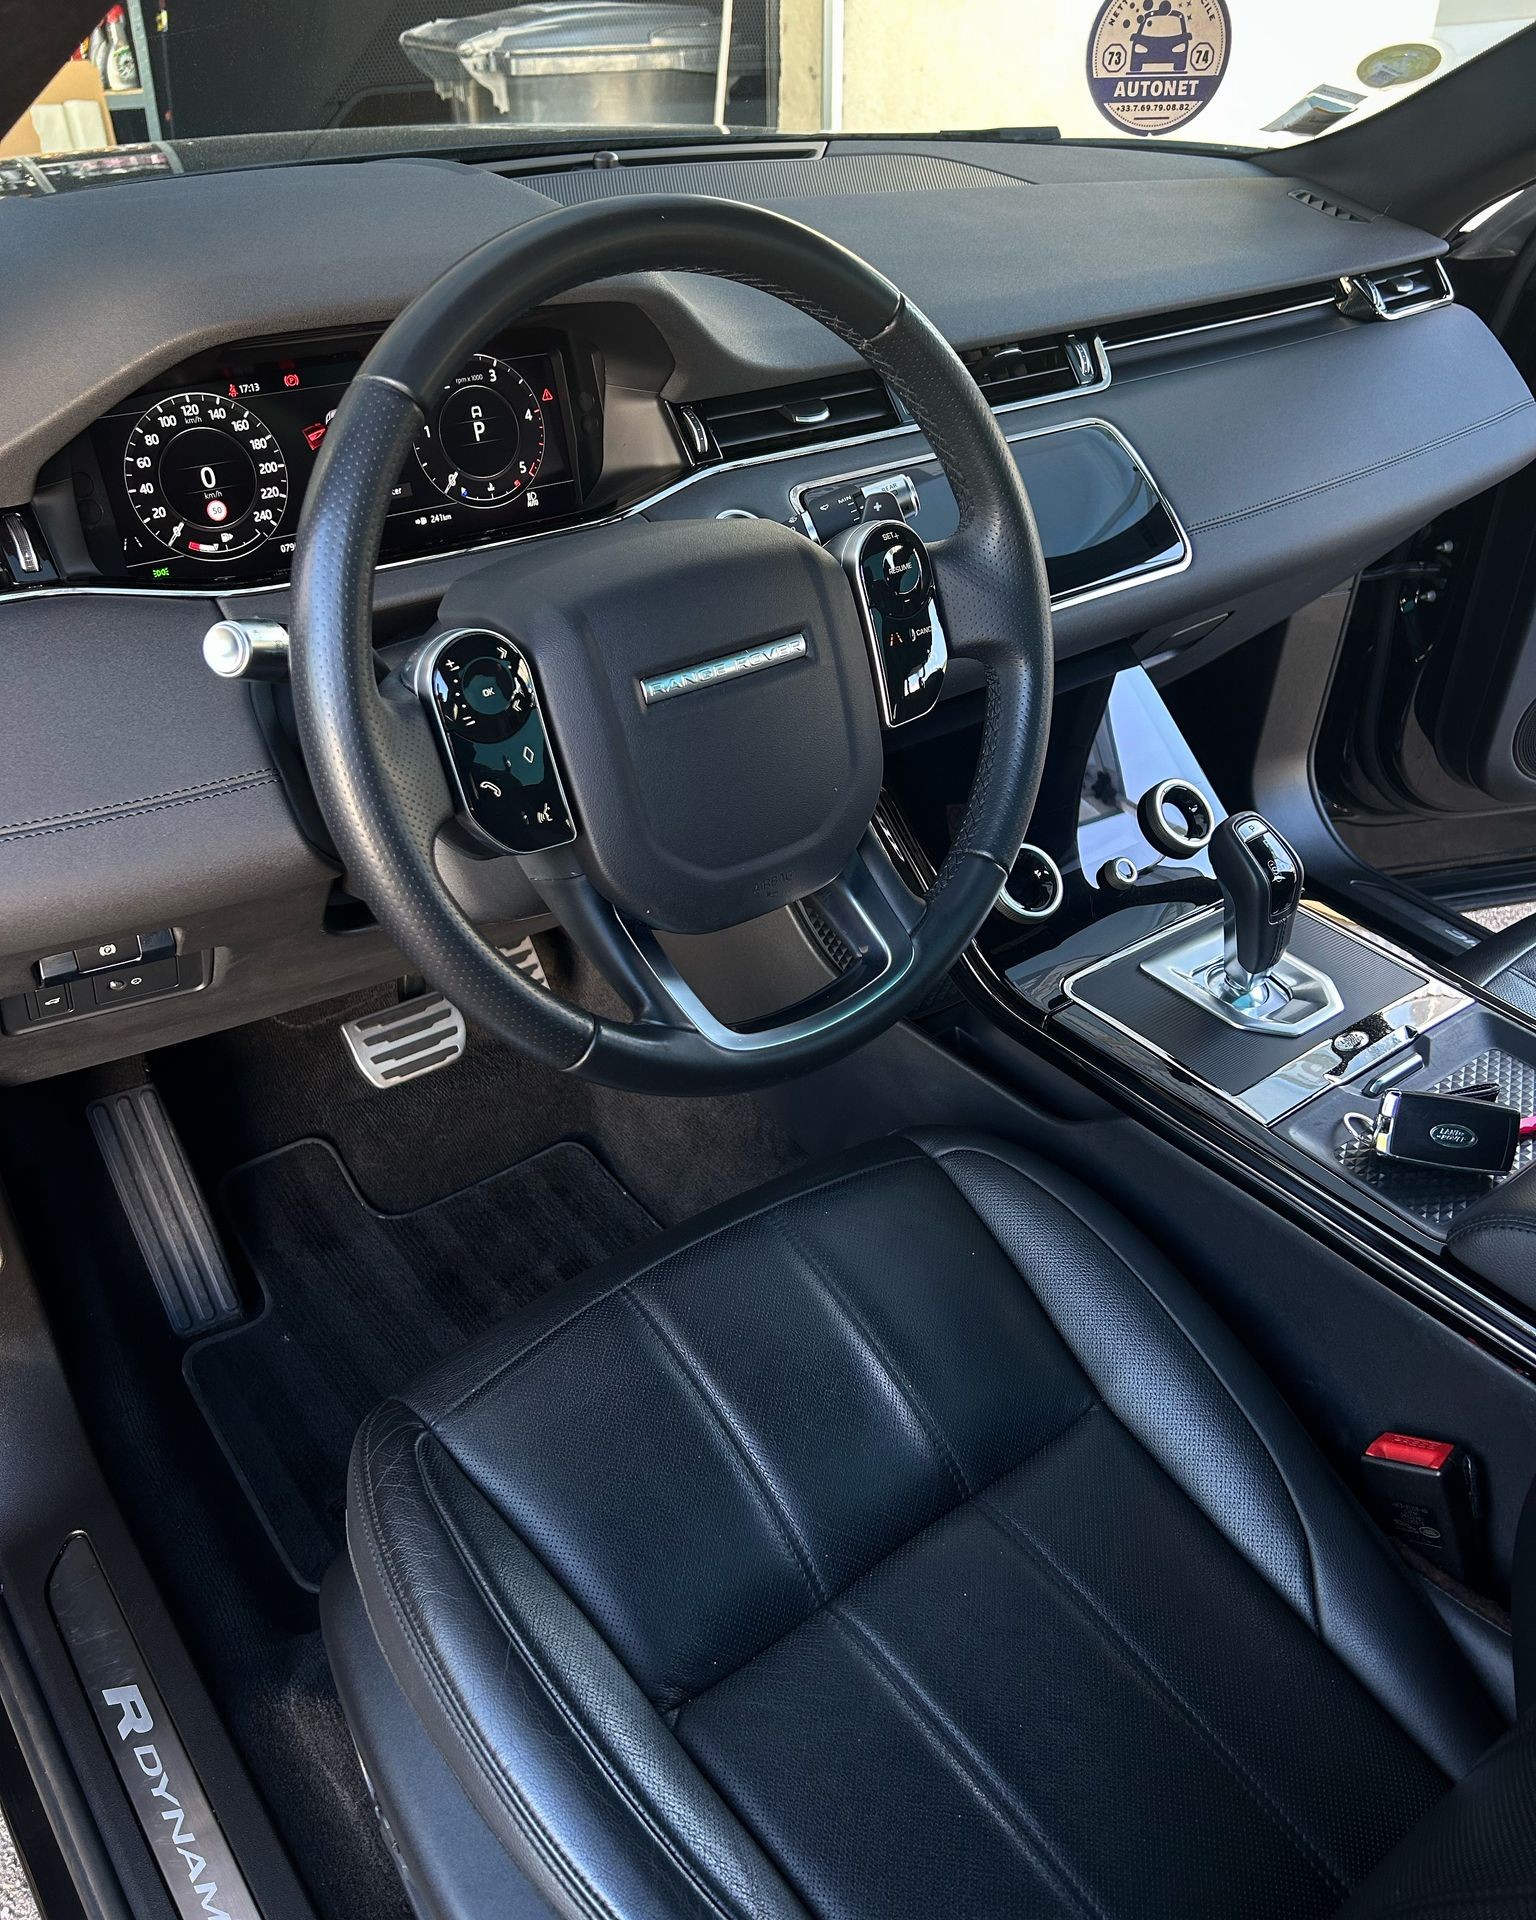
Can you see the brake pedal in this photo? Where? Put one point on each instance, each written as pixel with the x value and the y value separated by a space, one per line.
pixel 166 1209
pixel 406 1041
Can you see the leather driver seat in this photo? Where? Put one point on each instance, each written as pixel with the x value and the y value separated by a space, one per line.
pixel 905 1539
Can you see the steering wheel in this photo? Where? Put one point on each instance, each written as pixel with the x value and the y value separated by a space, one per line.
pixel 675 726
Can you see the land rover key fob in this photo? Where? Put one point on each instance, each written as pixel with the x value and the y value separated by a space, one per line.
pixel 1455 1131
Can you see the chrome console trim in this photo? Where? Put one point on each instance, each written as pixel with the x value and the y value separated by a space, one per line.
pixel 1424 1007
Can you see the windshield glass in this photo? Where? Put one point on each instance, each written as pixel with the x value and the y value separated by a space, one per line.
pixel 1245 73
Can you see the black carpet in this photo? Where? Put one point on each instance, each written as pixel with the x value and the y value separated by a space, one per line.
pixel 252 1630
pixel 358 1302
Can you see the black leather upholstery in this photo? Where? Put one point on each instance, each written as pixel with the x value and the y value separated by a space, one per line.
pixel 908 1539
pixel 1494 1236
pixel 1505 963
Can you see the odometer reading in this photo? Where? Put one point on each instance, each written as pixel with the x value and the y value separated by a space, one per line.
pixel 484 444
pixel 205 476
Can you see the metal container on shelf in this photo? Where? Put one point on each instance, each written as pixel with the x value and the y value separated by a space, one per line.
pixel 433 49
pixel 599 63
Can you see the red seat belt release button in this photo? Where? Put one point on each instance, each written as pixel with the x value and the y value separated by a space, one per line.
pixel 1423 1495
pixel 1410 1451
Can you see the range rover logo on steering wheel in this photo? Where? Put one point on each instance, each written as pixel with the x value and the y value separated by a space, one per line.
pixel 1154 64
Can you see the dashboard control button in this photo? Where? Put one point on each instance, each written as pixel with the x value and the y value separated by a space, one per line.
pixel 54 967
pixel 1118 876
pixel 48 1003
pixel 158 945
pixel 1034 888
pixel 132 982
pixel 1176 818
pixel 121 948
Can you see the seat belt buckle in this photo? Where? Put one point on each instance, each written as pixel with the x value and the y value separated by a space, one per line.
pixel 1423 1493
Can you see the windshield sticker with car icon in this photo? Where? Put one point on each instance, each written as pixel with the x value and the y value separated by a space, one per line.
pixel 1153 64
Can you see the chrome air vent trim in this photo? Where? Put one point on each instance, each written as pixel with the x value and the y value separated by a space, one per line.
pixel 1419 288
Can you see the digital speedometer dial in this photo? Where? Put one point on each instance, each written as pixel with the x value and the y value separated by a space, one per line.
pixel 205 476
pixel 484 442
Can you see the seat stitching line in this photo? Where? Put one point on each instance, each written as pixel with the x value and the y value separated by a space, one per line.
pixel 505 1789
pixel 1010 1815
pixel 1167 1313
pixel 482 1387
pixel 569 1713
pixel 820 1273
pixel 1159 1683
pixel 1028 1460
pixel 694 1381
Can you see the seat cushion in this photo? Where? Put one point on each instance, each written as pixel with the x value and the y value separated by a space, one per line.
pixel 904 1539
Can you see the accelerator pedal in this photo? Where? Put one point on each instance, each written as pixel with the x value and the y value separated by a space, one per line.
pixel 525 957
pixel 166 1209
pixel 406 1041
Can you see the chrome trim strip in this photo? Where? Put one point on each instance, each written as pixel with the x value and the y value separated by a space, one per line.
pixel 1217 326
pixel 1136 578
pixel 233 590
pixel 728 666
pixel 228 591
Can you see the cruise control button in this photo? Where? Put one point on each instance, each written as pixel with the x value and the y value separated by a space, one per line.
pixel 133 982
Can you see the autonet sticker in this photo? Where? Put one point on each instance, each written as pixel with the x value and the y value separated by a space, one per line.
pixel 155 1768
pixel 1154 64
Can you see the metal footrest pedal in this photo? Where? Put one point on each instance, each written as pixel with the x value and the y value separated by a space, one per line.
pixel 403 1042
pixel 166 1209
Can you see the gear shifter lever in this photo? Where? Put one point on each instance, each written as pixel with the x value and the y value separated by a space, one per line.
pixel 1261 881
pixel 1243 973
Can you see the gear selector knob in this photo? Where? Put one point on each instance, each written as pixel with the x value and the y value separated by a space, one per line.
pixel 1261 880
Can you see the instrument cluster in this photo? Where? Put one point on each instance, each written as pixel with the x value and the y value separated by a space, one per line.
pixel 203 479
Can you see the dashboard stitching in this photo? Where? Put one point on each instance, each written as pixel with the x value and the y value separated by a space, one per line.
pixel 113 810
pixel 1359 473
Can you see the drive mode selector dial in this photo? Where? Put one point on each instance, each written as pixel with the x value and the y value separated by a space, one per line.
pixel 484 441
pixel 205 476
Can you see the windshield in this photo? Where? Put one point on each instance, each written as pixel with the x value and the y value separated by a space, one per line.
pixel 1246 73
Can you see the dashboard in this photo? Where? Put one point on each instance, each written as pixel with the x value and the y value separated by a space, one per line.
pixel 1211 433
pixel 202 477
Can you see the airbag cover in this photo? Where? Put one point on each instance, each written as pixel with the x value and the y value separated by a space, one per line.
pixel 731 796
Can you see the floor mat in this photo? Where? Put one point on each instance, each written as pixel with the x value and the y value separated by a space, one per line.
pixel 358 1302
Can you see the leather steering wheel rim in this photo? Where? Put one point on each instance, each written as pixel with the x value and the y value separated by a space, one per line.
pixel 370 751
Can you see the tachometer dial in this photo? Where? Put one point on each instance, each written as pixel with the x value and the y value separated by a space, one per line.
pixel 205 476
pixel 484 442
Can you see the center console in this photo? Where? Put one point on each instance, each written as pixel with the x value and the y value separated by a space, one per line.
pixel 1178 954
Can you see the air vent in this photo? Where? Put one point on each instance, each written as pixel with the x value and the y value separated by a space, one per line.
pixel 1027 370
pixel 1393 296
pixel 1319 205
pixel 748 425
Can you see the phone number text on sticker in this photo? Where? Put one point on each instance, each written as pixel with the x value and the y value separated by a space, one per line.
pixel 1153 64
